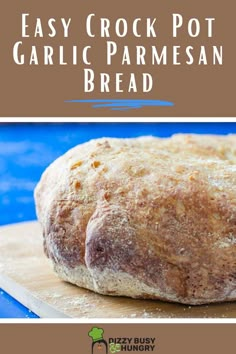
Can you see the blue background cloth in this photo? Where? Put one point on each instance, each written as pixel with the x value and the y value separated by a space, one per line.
pixel 27 149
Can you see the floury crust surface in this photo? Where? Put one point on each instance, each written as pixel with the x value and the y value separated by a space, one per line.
pixel 146 217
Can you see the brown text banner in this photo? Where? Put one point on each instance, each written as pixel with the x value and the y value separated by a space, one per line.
pixel 118 338
pixel 103 59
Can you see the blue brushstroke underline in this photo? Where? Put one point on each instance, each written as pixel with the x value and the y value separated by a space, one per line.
pixel 122 105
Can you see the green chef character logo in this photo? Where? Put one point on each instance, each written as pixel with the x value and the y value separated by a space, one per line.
pixel 98 344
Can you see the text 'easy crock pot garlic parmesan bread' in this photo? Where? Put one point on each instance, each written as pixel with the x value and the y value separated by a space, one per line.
pixel 147 217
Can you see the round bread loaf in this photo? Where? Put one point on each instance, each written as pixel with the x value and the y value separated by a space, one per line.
pixel 146 217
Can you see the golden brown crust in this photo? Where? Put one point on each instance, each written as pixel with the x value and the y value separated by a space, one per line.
pixel 159 211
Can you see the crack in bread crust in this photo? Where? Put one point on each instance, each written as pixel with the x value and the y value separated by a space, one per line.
pixel 145 217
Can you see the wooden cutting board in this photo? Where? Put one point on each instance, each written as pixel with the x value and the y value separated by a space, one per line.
pixel 26 274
